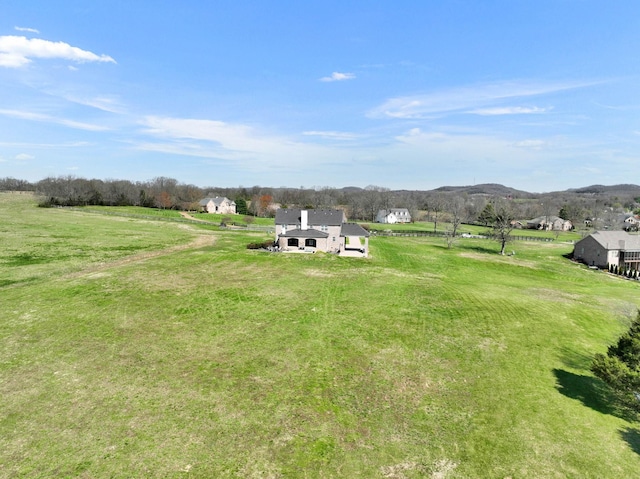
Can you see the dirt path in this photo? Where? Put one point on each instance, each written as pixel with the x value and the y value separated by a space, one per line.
pixel 186 215
pixel 201 241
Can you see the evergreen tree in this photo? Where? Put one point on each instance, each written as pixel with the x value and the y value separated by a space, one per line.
pixel 241 206
pixel 488 215
pixel 620 367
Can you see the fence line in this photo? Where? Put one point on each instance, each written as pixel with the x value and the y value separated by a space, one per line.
pixel 270 229
pixel 460 235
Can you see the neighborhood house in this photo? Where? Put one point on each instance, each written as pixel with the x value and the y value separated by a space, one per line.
pixel 547 223
pixel 299 230
pixel 393 215
pixel 609 248
pixel 220 205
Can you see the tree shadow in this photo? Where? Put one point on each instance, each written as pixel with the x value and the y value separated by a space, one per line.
pixel 479 249
pixel 576 360
pixel 632 437
pixel 593 393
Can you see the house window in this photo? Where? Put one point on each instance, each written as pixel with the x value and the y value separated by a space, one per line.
pixel 292 242
pixel 311 242
pixel 324 228
pixel 334 238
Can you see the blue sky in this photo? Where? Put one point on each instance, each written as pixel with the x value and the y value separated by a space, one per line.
pixel 539 96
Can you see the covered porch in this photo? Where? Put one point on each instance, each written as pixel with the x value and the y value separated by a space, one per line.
pixel 354 241
pixel 308 241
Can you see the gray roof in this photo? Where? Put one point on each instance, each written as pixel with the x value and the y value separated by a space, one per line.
pixel 353 229
pixel 218 200
pixel 620 240
pixel 395 211
pixel 310 233
pixel 291 216
pixel 550 219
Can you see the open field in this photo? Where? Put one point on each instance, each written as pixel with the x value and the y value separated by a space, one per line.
pixel 139 211
pixel 140 348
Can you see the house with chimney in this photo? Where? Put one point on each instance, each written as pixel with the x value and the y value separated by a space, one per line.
pixel 308 231
pixel 609 248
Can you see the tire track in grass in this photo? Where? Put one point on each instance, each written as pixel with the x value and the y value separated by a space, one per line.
pixel 201 241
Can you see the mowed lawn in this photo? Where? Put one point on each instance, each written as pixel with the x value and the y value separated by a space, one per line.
pixel 141 348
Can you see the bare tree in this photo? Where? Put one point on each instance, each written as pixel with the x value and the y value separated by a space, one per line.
pixel 375 199
pixel 435 203
pixel 503 223
pixel 456 208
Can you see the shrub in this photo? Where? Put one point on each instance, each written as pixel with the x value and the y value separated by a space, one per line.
pixel 48 202
pixel 260 245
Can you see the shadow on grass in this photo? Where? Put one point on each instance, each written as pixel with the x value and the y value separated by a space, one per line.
pixel 478 248
pixel 575 360
pixel 632 437
pixel 593 393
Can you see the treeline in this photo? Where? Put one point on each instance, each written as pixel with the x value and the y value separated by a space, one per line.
pixel 437 206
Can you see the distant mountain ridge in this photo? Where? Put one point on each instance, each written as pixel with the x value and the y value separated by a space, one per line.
pixel 495 189
pixel 623 189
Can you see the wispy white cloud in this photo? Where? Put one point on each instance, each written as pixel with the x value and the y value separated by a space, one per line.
pixel 26 29
pixel 232 137
pixel 17 51
pixel 27 115
pixel 234 142
pixel 337 76
pixel 470 98
pixel 24 157
pixel 460 148
pixel 531 144
pixel 509 110
pixel 104 103
pixel 331 135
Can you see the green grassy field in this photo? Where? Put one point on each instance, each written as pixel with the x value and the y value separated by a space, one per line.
pixel 140 348
pixel 141 212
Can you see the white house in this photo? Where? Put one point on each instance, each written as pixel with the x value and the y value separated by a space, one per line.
pixel 393 215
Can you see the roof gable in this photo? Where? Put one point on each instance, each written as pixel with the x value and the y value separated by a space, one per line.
pixel 218 200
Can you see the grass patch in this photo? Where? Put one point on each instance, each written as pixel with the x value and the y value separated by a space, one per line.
pixel 202 358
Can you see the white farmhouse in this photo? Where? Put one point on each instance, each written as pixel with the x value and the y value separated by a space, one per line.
pixel 393 215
